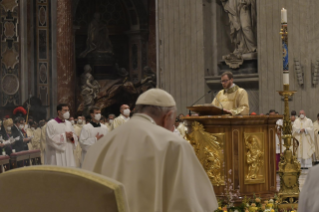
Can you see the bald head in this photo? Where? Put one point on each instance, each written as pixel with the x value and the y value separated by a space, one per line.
pixel 302 114
pixel 125 110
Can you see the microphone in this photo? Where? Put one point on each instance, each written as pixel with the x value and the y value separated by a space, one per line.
pixel 189 112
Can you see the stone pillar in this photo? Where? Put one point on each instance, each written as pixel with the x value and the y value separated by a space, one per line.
pixel 138 53
pixel 65 54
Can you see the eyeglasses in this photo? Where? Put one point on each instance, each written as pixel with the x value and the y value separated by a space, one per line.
pixel 224 81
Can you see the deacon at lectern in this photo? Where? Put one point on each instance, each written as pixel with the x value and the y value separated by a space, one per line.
pixel 232 98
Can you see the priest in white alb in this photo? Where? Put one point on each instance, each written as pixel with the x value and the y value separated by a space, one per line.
pixel 123 117
pixel 159 169
pixel 316 136
pixel 61 139
pixel 92 132
pixel 303 131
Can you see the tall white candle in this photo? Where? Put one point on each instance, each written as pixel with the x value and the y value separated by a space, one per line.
pixel 286 78
pixel 283 16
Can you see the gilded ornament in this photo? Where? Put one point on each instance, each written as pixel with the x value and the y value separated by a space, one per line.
pixel 209 148
pixel 254 158
pixel 289 166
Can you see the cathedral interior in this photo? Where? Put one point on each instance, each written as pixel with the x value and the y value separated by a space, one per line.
pixel 48 46
pixel 107 52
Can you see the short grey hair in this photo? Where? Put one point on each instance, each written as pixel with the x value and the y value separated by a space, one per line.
pixel 111 115
pixel 18 119
pixel 155 111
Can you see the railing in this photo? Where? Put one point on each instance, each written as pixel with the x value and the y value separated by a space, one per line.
pixel 21 159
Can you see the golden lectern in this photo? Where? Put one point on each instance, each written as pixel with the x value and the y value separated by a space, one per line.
pixel 236 150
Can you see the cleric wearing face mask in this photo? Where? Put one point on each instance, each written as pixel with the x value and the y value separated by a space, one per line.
pixel 123 117
pixel 93 131
pixel 61 139
pixel 19 135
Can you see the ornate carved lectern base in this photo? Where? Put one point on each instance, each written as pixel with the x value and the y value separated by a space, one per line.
pixel 240 150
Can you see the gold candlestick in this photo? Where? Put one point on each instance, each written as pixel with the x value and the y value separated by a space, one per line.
pixel 289 166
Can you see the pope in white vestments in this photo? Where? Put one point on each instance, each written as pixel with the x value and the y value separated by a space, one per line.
pixel 159 169
pixel 61 139
pixel 92 132
pixel 303 132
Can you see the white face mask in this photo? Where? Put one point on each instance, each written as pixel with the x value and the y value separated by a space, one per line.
pixel 25 127
pixel 21 127
pixel 126 112
pixel 66 115
pixel 32 128
pixel 111 121
pixel 97 117
pixel 72 122
pixel 80 121
pixel 9 128
pixel 302 116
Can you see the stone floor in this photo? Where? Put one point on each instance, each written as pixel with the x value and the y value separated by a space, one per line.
pixel 302 179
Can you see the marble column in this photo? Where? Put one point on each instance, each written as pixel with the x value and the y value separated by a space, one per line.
pixel 65 54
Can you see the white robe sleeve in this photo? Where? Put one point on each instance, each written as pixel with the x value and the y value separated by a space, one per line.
pixel 75 137
pixel 309 128
pixel 86 139
pixel 296 127
pixel 308 198
pixel 182 170
pixel 55 139
pixel 6 142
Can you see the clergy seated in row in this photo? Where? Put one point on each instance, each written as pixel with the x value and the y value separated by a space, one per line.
pixel 92 132
pixel 159 169
pixel 6 138
pixel 61 139
pixel 302 130
pixel 19 134
pixel 123 117
pixel 232 98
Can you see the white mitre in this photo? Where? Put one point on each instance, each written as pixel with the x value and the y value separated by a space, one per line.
pixel 156 97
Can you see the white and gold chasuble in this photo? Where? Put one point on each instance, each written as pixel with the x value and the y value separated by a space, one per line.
pixel 306 139
pixel 234 99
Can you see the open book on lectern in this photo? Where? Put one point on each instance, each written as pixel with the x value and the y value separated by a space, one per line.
pixel 208 110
